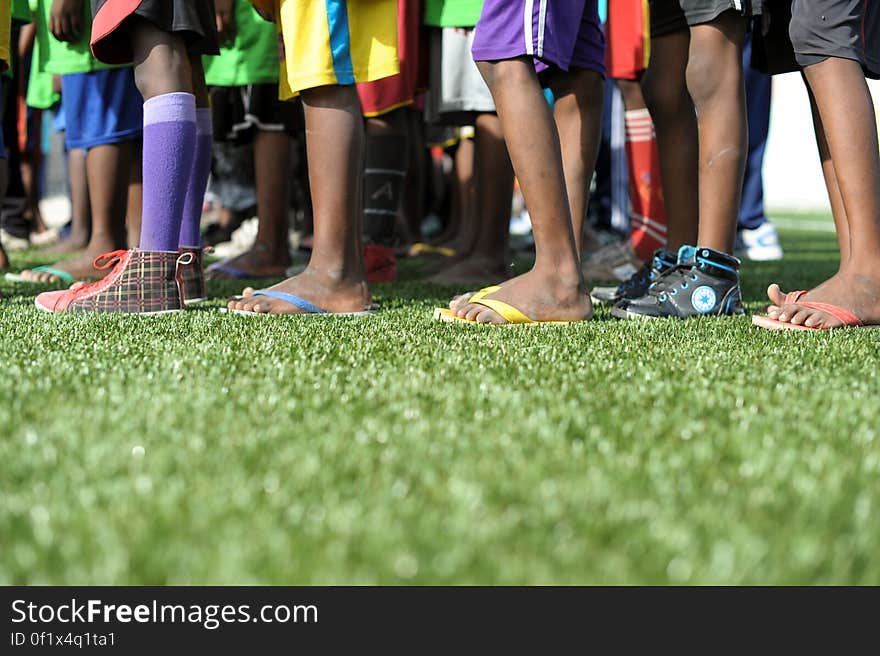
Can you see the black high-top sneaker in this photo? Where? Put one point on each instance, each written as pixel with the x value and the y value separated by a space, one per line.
pixel 192 276
pixel 704 282
pixel 637 284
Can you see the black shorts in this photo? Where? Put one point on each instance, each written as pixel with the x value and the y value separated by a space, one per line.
pixel 239 111
pixel 668 16
pixel 806 32
pixel 192 19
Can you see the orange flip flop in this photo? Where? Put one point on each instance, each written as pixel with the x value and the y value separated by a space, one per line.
pixel 847 318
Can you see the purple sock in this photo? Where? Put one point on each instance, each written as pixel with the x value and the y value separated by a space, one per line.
pixel 190 233
pixel 169 145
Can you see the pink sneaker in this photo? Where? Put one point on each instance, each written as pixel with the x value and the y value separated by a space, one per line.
pixel 142 282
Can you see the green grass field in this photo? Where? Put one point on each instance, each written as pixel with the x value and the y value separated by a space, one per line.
pixel 204 448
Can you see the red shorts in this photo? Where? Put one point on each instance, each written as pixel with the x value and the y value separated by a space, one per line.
pixel 385 95
pixel 627 34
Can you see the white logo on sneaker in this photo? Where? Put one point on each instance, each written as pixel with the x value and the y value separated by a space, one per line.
pixel 703 299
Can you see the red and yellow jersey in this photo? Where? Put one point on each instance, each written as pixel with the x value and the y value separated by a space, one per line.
pixel 627 34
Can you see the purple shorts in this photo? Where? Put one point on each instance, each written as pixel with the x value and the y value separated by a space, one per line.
pixel 561 33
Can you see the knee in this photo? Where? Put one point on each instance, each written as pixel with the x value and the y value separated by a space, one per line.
pixel 505 73
pixel 703 77
pixel 665 98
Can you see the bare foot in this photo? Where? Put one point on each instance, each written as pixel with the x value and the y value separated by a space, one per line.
pixel 329 293
pixel 857 294
pixel 80 268
pixel 474 269
pixel 539 297
pixel 70 245
pixel 258 262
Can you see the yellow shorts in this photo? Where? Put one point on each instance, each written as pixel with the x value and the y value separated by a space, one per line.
pixel 328 42
pixel 5 22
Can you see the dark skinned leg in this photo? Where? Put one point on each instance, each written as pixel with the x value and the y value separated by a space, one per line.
pixel 488 260
pixel 108 169
pixel 135 205
pixel 334 279
pixel 270 255
pixel 81 218
pixel 578 114
pixel 838 211
pixel 675 122
pixel 554 288
pixel 716 85
pixel 847 113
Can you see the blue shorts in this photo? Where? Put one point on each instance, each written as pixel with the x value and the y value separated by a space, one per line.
pixel 105 107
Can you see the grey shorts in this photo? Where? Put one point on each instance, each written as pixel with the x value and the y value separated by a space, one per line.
pixel 668 16
pixel 806 32
pixel 457 90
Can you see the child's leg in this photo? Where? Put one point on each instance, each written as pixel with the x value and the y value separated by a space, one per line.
pixel 270 255
pixel 848 119
pixel 163 75
pixel 135 208
pixel 647 231
pixel 554 288
pixel 715 83
pixel 190 226
pixel 334 279
pixel 838 211
pixel 493 180
pixel 671 107
pixel 79 203
pixel 578 114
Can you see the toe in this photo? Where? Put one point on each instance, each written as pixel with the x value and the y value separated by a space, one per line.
pixel 800 316
pixel 775 294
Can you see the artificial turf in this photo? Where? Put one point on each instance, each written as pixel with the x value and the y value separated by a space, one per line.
pixel 205 448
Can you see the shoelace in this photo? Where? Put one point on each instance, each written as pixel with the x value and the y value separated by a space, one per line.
pixel 102 263
pixel 638 278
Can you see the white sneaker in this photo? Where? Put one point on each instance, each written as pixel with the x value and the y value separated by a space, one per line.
pixel 243 239
pixel 760 244
pixel 616 261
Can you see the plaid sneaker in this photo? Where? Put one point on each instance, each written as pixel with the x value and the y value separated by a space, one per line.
pixel 192 276
pixel 141 282
pixel 703 282
pixel 637 284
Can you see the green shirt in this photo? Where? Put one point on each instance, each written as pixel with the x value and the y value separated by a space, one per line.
pixel 40 93
pixel 21 11
pixel 61 57
pixel 452 13
pixel 252 58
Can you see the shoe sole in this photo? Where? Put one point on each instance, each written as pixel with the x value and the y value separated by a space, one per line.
pixel 621 313
pixel 140 314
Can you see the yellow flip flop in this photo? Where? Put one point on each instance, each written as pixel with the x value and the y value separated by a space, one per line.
pixel 512 315
pixel 426 249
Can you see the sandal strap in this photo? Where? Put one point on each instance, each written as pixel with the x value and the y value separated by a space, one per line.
pixel 844 316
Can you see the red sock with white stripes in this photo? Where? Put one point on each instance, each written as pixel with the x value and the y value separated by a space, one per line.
pixel 648 217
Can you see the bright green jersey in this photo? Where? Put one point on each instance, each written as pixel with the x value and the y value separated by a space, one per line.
pixel 40 93
pixel 21 11
pixel 252 58
pixel 452 13
pixel 60 57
